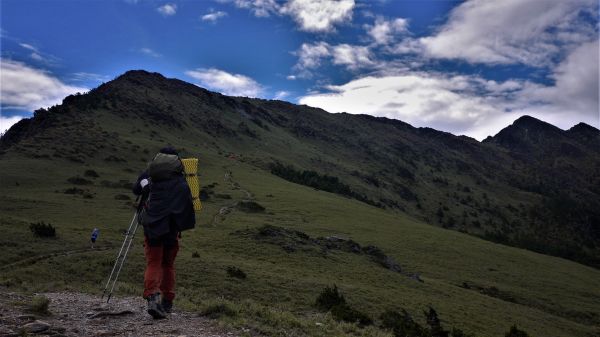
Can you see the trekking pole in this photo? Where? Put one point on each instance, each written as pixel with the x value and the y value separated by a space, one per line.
pixel 122 255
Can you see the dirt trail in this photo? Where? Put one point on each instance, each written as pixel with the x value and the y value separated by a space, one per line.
pixel 76 314
pixel 34 259
pixel 223 211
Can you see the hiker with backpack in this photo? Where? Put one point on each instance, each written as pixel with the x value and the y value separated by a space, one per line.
pixel 168 211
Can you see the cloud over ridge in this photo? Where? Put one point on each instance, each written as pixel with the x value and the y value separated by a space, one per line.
pixel 226 83
pixel 28 88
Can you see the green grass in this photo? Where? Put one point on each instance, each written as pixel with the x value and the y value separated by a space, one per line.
pixel 554 297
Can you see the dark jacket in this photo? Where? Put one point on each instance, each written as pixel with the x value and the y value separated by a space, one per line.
pixel 168 210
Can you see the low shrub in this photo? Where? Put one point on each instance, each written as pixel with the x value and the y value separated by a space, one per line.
pixel 74 190
pixel 329 297
pixel 42 229
pixel 39 305
pixel 79 181
pixel 516 332
pixel 250 207
pixel 236 272
pixel 343 312
pixel 217 310
pixel 401 323
pixel 91 174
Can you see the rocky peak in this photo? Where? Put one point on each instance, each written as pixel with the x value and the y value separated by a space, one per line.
pixel 526 132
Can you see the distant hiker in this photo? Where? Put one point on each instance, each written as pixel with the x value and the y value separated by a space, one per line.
pixel 94 237
pixel 168 212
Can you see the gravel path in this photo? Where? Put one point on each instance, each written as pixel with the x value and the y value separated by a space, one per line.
pixel 75 314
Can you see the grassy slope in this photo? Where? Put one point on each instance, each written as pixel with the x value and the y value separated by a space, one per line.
pixel 545 285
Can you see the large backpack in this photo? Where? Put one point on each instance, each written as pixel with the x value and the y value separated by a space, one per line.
pixel 165 167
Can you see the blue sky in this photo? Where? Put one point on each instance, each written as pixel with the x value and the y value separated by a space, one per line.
pixel 467 67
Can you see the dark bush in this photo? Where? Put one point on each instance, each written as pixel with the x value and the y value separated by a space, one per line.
pixel 321 182
pixel 459 333
pixel 79 181
pixel 516 332
pixel 115 159
pixel 343 312
pixel 311 178
pixel 435 325
pixel 42 229
pixel 236 272
pixel 250 207
pixel 329 297
pixel 39 305
pixel 402 324
pixel 218 310
pixel 195 255
pixel 91 174
pixel 74 190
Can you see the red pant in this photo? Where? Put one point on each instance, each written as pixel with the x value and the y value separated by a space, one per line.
pixel 160 270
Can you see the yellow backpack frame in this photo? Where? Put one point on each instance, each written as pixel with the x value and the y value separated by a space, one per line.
pixel 190 166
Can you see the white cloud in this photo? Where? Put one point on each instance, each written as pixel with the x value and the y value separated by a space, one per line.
pixel 408 46
pixel 281 94
pixel 310 55
pixel 28 46
pixel 36 57
pixel 471 105
pixel 417 98
pixel 260 8
pixel 513 31
pixel 27 88
pixel 150 52
pixel 384 31
pixel 291 77
pixel 83 76
pixel 7 122
pixel 226 83
pixel 317 15
pixel 576 87
pixel 167 9
pixel 213 16
pixel 353 57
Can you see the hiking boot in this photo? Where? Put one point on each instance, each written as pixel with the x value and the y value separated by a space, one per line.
pixel 167 305
pixel 154 308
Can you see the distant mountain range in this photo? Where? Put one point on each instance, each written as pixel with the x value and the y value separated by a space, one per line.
pixel 532 185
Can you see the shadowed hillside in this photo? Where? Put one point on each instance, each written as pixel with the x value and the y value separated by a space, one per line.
pixel 532 185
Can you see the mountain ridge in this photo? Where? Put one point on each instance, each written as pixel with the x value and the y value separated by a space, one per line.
pixel 502 189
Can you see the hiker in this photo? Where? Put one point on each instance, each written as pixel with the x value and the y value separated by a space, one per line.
pixel 94 237
pixel 167 212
